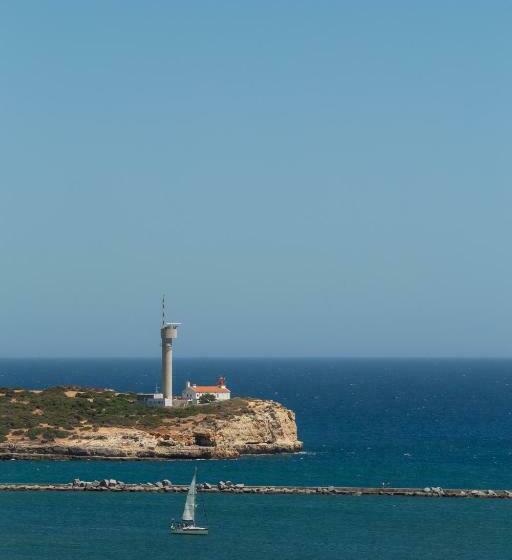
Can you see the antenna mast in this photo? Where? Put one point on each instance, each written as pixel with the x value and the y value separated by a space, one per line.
pixel 163 310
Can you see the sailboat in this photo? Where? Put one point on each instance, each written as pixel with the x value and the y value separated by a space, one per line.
pixel 187 525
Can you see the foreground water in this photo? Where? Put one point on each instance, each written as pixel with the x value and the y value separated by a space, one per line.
pixel 363 422
pixel 126 526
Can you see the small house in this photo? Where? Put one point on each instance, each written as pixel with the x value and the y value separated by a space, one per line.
pixel 193 392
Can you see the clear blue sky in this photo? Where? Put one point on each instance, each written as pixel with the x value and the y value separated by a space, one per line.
pixel 300 178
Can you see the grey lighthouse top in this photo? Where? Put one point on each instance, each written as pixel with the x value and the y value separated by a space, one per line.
pixel 169 331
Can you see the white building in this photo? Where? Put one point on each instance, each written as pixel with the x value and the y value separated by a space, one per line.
pixel 153 399
pixel 193 392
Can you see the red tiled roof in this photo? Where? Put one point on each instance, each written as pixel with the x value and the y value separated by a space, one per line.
pixel 209 389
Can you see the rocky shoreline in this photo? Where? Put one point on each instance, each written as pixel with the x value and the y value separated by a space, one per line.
pixel 112 485
pixel 64 453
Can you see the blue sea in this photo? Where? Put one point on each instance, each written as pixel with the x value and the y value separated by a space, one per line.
pixel 363 422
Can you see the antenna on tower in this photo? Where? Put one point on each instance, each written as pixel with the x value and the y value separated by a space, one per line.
pixel 163 310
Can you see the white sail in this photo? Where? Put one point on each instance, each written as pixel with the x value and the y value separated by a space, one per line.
pixel 190 504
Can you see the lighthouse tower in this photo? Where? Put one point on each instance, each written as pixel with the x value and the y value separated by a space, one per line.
pixel 168 332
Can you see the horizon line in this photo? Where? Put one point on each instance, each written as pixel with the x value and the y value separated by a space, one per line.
pixel 248 357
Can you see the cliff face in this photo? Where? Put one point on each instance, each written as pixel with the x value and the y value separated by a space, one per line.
pixel 258 427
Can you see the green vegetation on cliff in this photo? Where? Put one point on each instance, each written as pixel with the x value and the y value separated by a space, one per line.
pixel 58 411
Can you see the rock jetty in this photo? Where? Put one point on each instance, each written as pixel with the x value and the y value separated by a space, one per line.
pixel 229 487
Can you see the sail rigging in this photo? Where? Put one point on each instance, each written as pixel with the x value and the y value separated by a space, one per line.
pixel 190 504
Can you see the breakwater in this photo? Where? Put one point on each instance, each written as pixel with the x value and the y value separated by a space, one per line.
pixel 111 485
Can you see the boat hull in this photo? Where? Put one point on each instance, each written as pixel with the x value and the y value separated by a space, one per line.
pixel 189 530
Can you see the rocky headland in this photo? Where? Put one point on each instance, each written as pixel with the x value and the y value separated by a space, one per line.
pixel 75 423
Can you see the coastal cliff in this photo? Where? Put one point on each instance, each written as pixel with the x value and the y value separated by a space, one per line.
pixel 78 423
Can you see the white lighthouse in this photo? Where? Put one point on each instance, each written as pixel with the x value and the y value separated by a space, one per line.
pixel 168 332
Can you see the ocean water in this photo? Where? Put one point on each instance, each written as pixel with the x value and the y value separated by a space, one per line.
pixel 363 422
